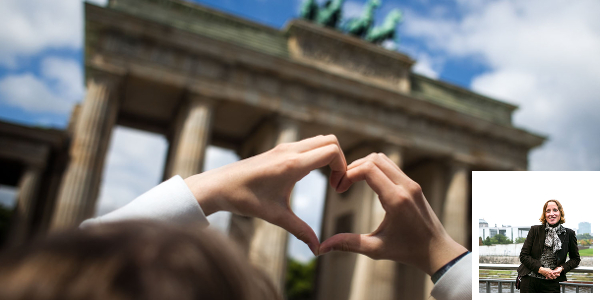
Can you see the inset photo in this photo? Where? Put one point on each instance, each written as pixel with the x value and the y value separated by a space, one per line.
pixel 535 231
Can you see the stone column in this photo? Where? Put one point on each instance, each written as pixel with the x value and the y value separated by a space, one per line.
pixel 78 193
pixel 27 194
pixel 268 247
pixel 375 279
pixel 456 207
pixel 191 137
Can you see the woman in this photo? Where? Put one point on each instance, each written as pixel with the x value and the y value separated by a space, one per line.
pixel 544 253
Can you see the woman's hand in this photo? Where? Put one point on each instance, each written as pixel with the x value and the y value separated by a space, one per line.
pixel 557 271
pixel 410 232
pixel 260 186
pixel 548 273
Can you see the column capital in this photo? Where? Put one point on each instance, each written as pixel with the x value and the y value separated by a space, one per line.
pixel 109 79
pixel 193 97
pixel 456 164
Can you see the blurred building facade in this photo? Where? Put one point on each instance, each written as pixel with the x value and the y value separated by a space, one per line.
pixel 584 227
pixel 200 77
pixel 33 160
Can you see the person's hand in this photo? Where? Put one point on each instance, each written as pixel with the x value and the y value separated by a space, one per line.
pixel 410 232
pixel 260 186
pixel 557 271
pixel 547 272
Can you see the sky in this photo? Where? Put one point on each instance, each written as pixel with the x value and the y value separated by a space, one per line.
pixel 517 198
pixel 541 55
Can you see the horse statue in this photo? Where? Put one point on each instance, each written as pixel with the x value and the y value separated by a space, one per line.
pixel 387 30
pixel 360 26
pixel 331 13
pixel 309 10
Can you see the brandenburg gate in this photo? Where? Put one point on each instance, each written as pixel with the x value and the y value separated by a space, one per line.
pixel 200 77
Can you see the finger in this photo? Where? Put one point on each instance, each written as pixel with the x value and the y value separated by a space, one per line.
pixel 386 165
pixel 330 155
pixel 390 161
pixel 351 242
pixel 369 171
pixel 357 162
pixel 300 230
pixel 315 142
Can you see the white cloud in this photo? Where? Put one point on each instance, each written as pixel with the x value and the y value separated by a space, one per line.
pixel 543 56
pixel 67 76
pixel 352 9
pixel 60 86
pixel 30 26
pixel 425 66
pixel 32 94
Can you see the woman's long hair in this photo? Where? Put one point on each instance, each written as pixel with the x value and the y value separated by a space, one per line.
pixel 132 260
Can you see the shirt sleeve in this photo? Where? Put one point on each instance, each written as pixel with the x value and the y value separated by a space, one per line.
pixel 456 283
pixel 171 201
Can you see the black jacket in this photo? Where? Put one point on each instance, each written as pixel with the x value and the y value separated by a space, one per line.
pixel 534 245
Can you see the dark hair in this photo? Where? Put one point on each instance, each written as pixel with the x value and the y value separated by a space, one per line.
pixel 132 260
pixel 560 209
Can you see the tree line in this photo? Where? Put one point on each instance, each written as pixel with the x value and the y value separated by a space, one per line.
pixel 582 239
pixel 502 239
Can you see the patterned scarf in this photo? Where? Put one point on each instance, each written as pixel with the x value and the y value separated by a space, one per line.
pixel 552 239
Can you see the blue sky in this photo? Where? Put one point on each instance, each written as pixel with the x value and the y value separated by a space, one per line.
pixel 539 54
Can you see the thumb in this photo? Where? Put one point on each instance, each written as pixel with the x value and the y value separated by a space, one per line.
pixel 352 242
pixel 300 230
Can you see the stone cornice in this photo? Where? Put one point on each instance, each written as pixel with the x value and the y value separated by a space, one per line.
pixel 462 90
pixel 56 138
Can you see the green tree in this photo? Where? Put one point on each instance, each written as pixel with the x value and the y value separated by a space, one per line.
pixel 487 241
pixel 584 236
pixel 501 239
pixel 519 240
pixel 300 279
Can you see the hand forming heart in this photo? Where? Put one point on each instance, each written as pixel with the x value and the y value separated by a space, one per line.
pixel 260 186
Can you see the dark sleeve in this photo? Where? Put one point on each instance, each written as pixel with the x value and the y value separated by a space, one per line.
pixel 525 256
pixel 574 258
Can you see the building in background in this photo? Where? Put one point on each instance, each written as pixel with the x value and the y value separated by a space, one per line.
pixel 200 76
pixel 482 223
pixel 584 227
pixel 511 232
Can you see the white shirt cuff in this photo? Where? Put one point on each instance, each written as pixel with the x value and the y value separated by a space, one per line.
pixel 456 283
pixel 171 201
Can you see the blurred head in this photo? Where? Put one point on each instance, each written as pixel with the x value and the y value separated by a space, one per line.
pixel 131 260
pixel 552 213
